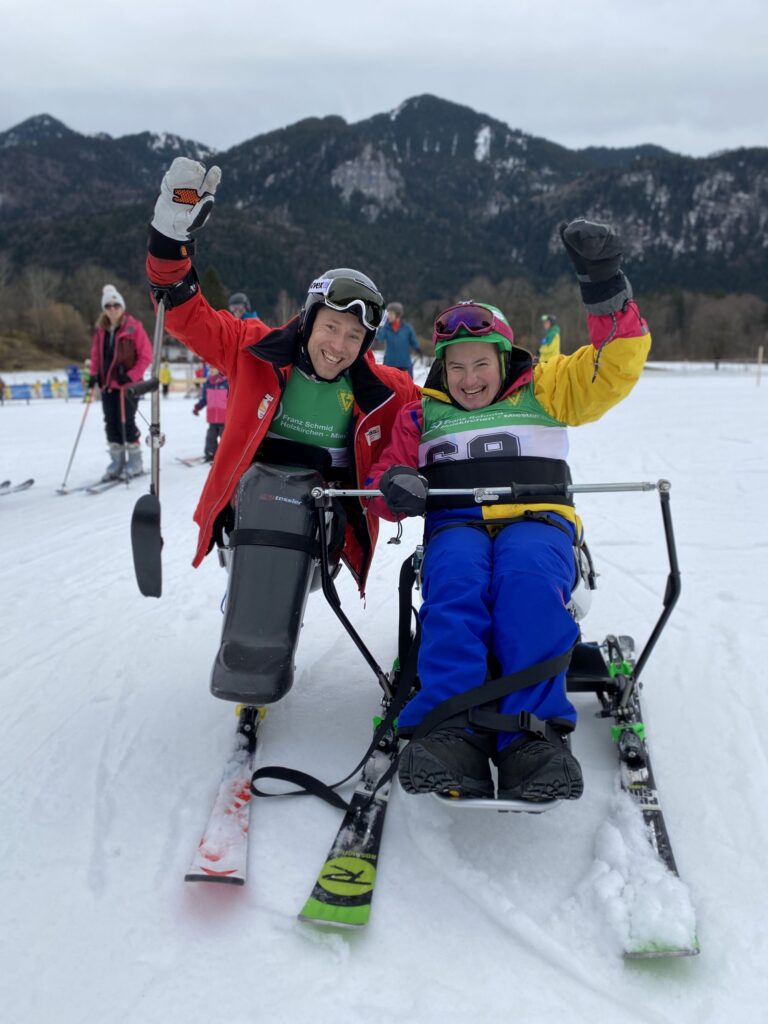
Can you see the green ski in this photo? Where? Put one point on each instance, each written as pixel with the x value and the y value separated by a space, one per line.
pixel 344 888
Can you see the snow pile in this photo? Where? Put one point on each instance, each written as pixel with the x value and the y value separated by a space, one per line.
pixel 645 906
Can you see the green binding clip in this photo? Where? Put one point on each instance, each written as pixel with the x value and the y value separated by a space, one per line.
pixel 377 720
pixel 617 730
pixel 620 668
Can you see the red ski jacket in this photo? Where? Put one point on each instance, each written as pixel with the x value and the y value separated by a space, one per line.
pixel 258 360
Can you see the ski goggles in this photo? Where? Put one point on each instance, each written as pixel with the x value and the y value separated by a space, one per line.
pixel 344 295
pixel 472 319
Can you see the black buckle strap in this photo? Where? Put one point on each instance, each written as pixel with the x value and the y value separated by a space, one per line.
pixel 275 539
pixel 492 691
pixel 525 721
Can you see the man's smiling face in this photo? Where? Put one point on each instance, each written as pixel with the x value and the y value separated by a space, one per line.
pixel 335 342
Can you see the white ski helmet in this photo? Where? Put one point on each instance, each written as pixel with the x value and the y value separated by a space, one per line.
pixel 348 291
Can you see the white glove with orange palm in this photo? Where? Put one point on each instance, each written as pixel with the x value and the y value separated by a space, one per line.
pixel 185 202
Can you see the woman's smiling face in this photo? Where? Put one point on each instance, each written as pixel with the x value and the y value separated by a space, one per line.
pixel 473 373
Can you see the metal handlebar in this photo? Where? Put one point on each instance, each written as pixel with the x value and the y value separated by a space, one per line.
pixel 671 594
pixel 481 494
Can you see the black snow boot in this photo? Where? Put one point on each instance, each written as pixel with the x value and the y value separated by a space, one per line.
pixel 532 768
pixel 449 760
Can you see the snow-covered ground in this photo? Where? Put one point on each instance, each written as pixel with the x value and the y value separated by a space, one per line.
pixel 112 749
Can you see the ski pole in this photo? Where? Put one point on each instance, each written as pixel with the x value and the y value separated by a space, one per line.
pixel 146 535
pixel 124 434
pixel 77 439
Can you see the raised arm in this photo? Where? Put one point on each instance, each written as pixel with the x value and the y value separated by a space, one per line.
pixel 581 387
pixel 184 205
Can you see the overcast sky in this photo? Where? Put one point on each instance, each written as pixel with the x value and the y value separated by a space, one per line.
pixel 684 74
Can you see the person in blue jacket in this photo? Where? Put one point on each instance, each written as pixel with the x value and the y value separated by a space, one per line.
pixel 240 307
pixel 399 339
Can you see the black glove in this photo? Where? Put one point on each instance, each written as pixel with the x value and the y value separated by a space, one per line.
pixel 92 380
pixel 595 251
pixel 122 375
pixel 404 490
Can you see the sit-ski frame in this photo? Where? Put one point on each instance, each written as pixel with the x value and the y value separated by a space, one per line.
pixel 587 673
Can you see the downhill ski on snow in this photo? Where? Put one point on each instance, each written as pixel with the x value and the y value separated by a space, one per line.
pixel 343 891
pixel 222 853
pixel 638 781
pixel 8 488
pixel 98 486
pixel 193 460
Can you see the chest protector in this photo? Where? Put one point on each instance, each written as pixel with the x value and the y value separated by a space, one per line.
pixel 512 441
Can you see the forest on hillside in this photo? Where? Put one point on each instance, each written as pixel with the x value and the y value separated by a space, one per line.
pixel 47 317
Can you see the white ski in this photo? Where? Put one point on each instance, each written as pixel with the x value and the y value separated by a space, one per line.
pixel 222 854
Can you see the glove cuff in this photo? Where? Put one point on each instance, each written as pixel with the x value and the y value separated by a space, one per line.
pixel 399 470
pixel 172 295
pixel 603 297
pixel 165 248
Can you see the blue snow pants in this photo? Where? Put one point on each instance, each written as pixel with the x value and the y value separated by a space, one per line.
pixel 504 595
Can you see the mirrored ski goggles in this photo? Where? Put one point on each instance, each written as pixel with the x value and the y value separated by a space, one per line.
pixel 469 318
pixel 344 295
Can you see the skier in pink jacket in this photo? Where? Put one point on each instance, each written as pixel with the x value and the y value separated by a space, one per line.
pixel 120 353
pixel 213 399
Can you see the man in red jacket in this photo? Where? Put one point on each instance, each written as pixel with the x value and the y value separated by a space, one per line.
pixel 308 393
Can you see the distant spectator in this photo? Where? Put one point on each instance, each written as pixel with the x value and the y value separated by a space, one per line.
pixel 201 372
pixel 165 379
pixel 240 307
pixel 2 391
pixel 399 339
pixel 214 400
pixel 85 376
pixel 549 345
pixel 120 354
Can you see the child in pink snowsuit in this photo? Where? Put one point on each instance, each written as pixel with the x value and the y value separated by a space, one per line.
pixel 213 399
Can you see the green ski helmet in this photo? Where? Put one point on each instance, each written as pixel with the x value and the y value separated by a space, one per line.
pixel 472 321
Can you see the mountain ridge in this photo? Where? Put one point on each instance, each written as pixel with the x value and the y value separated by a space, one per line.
pixel 425 196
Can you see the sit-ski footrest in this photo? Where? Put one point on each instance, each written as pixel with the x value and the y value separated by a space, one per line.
pixel 493 804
